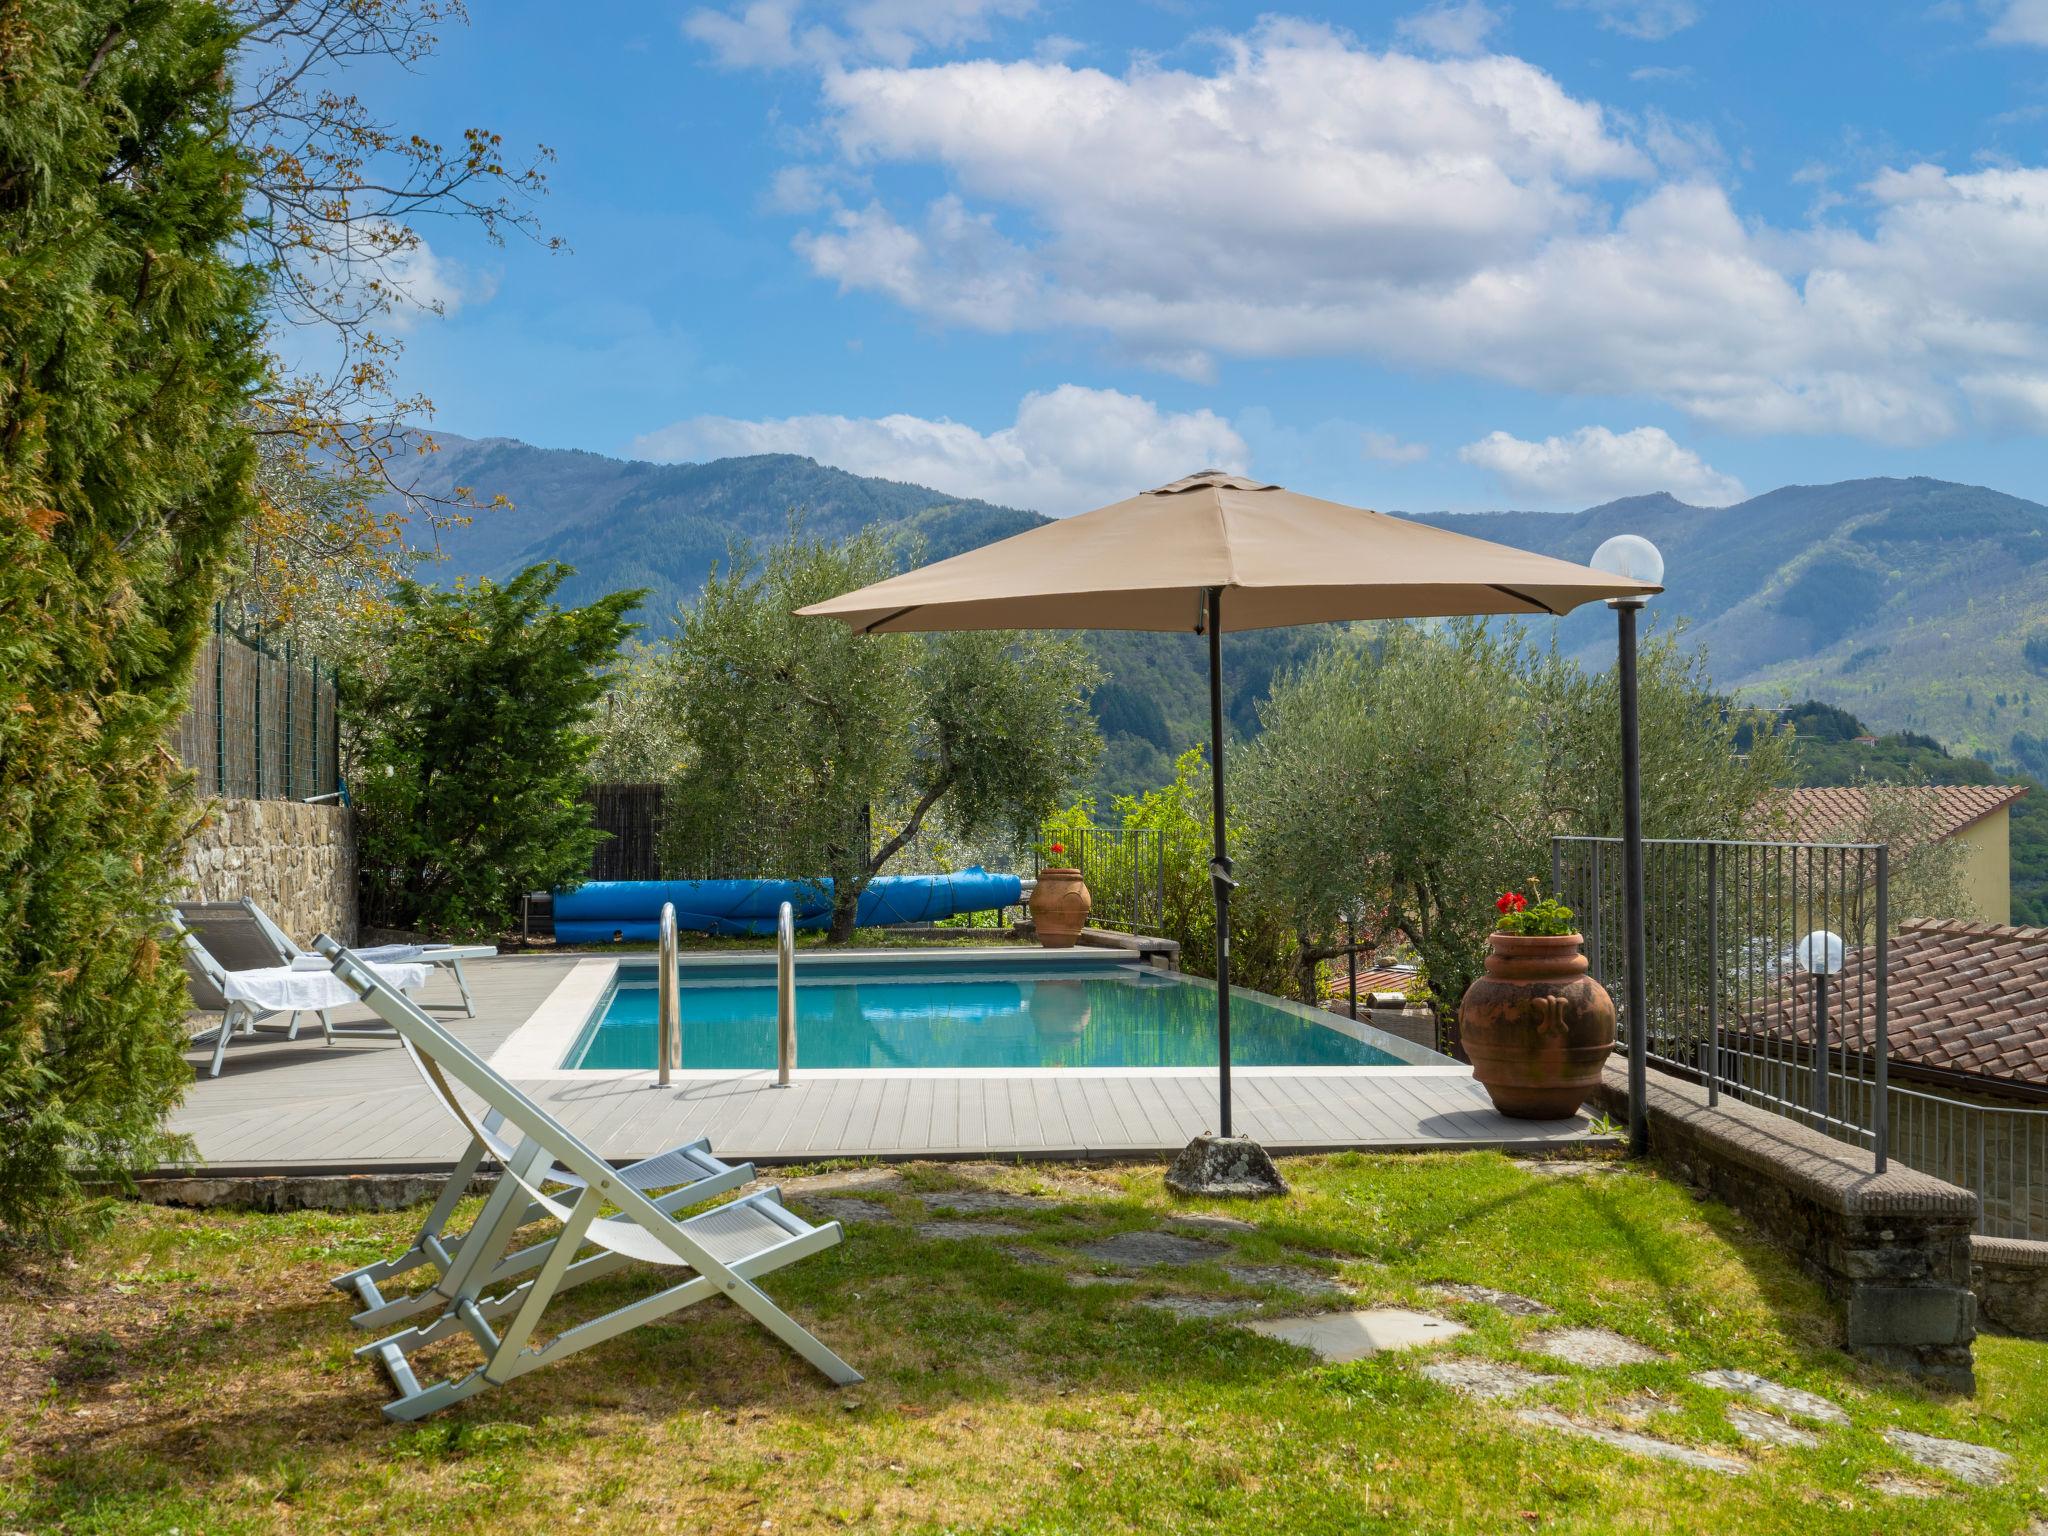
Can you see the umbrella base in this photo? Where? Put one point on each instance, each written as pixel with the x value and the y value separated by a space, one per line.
pixel 1233 1166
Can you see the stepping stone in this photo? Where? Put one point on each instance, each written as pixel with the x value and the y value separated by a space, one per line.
pixel 1500 1301
pixel 1486 1380
pixel 1340 1336
pixel 1213 1223
pixel 1978 1465
pixel 1104 1279
pixel 1143 1250
pixel 1200 1306
pixel 1639 1445
pixel 1564 1168
pixel 975 1201
pixel 1768 1428
pixel 1022 1255
pixel 845 1208
pixel 1286 1277
pixel 1591 1346
pixel 961 1231
pixel 1785 1399
pixel 1892 1485
pixel 880 1181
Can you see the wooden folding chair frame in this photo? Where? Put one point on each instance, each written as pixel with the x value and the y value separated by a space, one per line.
pixel 724 1247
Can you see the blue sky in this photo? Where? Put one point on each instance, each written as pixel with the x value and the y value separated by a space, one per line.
pixel 1411 256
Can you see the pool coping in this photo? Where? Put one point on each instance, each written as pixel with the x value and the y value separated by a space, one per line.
pixel 536 1050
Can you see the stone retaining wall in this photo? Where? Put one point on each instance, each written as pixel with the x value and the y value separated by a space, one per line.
pixel 2010 1277
pixel 296 861
pixel 1893 1248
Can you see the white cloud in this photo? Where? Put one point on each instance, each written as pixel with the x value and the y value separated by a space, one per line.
pixel 1070 448
pixel 781 34
pixel 1451 26
pixel 2022 22
pixel 1386 448
pixel 419 281
pixel 1306 196
pixel 1594 465
pixel 1648 20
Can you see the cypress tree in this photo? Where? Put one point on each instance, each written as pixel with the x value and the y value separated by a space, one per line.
pixel 129 348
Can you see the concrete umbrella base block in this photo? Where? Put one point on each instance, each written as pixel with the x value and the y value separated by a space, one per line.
pixel 1224 1165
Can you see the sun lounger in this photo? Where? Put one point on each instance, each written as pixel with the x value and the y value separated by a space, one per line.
pixel 441 956
pixel 548 1173
pixel 232 964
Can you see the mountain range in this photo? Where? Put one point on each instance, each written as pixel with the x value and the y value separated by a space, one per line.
pixel 1919 604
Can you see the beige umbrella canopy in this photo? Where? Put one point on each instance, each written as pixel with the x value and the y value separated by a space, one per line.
pixel 1151 561
pixel 1216 552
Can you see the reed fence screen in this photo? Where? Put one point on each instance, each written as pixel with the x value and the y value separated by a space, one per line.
pixel 262 724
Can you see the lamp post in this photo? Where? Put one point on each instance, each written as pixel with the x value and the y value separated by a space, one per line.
pixel 1820 954
pixel 1627 554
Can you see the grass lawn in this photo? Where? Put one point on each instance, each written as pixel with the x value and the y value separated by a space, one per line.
pixel 192 1372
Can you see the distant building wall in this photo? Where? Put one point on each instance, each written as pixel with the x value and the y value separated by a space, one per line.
pixel 296 861
pixel 1987 866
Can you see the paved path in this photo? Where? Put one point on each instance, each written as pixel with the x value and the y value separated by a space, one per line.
pixel 303 1107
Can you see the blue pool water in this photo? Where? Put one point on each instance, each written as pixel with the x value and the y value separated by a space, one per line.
pixel 1046 1014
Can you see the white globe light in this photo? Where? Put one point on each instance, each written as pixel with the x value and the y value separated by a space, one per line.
pixel 1632 556
pixel 1821 953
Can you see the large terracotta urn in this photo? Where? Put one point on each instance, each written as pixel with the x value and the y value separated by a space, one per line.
pixel 1536 1028
pixel 1059 907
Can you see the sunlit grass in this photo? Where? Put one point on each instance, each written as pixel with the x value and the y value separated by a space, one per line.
pixel 194 1371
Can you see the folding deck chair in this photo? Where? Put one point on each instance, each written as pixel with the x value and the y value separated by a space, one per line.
pixel 722 1249
pixel 218 937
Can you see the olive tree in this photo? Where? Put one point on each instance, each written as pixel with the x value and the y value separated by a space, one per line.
pixel 817 754
pixel 1413 772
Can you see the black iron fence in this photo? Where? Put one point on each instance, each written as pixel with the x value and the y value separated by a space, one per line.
pixel 1767 978
pixel 1124 867
pixel 262 722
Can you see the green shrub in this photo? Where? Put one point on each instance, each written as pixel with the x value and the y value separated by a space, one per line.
pixel 130 348
pixel 473 749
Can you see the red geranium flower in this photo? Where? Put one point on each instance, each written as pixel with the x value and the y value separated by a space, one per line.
pixel 1059 847
pixel 1511 901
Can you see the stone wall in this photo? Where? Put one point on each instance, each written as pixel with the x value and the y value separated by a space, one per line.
pixel 296 861
pixel 1892 1248
pixel 2010 1277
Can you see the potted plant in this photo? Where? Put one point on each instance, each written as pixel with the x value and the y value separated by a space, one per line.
pixel 1060 903
pixel 1536 1027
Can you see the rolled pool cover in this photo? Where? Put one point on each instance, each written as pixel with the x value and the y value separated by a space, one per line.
pixel 604 910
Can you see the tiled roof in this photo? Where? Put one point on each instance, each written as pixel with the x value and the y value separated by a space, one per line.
pixel 1370 979
pixel 1829 812
pixel 1965 997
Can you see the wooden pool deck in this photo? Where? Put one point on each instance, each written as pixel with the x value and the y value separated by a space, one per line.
pixel 302 1107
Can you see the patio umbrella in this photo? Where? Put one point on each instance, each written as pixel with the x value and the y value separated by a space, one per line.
pixel 1217 552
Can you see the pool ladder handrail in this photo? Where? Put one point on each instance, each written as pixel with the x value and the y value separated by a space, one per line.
pixel 785 994
pixel 668 1048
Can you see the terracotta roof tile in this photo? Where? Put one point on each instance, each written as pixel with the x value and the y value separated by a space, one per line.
pixel 1829 812
pixel 1965 997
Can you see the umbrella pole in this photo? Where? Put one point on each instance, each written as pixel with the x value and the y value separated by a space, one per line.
pixel 1219 866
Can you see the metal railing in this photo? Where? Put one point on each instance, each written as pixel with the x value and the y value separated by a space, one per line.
pixel 1731 1005
pixel 1125 868
pixel 1731 999
pixel 785 994
pixel 668 1046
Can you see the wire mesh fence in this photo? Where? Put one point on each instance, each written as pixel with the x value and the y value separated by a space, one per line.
pixel 262 723
pixel 1768 979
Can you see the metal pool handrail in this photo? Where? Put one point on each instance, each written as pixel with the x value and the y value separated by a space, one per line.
pixel 785 994
pixel 668 1045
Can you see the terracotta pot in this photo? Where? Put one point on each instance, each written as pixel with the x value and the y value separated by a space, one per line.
pixel 1060 907
pixel 1536 1027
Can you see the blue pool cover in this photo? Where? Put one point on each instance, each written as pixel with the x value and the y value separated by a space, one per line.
pixel 602 910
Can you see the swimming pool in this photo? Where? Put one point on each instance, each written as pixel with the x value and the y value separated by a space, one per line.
pixel 974 1010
